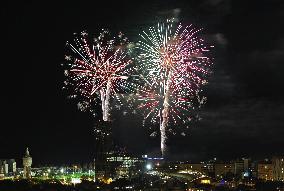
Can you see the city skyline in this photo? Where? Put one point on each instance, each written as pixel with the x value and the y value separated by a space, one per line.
pixel 245 106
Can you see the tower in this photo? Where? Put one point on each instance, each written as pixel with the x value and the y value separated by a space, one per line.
pixel 27 163
pixel 103 148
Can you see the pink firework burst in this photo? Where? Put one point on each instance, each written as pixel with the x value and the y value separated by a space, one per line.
pixel 98 70
pixel 175 63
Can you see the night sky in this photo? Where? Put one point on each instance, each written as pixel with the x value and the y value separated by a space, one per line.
pixel 244 115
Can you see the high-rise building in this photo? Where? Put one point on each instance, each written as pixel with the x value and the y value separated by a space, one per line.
pixel 3 168
pixel 124 165
pixel 239 167
pixel 222 169
pixel 278 168
pixel 242 167
pixel 264 170
pixel 12 166
pixel 104 147
pixel 208 168
pixel 253 169
pixel 7 167
pixel 27 163
pixel 246 165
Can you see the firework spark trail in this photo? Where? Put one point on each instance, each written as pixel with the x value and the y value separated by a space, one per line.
pixel 98 70
pixel 174 65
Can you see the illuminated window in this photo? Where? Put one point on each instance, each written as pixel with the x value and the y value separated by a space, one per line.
pixel 205 181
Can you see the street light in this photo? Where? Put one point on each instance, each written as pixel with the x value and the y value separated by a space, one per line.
pixel 148 166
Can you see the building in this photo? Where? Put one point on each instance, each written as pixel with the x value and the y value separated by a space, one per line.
pixel 125 166
pixel 7 167
pixel 3 168
pixel 278 168
pixel 157 163
pixel 238 167
pixel 190 166
pixel 246 162
pixel 253 169
pixel 264 170
pixel 222 169
pixel 12 166
pixel 209 169
pixel 104 148
pixel 27 163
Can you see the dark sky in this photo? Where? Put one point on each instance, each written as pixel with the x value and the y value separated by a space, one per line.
pixel 244 115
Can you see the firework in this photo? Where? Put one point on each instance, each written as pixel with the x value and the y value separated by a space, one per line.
pixel 174 62
pixel 98 70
